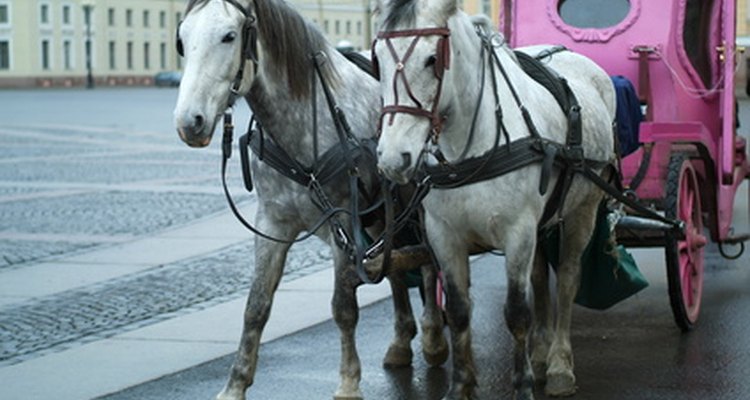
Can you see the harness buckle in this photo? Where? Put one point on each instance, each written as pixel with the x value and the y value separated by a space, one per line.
pixel 574 156
pixel 226 144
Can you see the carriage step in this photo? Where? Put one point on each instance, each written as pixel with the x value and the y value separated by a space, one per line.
pixel 642 224
pixel 735 239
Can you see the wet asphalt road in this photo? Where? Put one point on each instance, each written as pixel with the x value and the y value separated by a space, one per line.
pixel 631 351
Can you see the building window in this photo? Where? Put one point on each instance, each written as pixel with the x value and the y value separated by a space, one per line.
pixel 348 27
pixel 325 26
pixel 145 18
pixel 338 27
pixel 359 27
pixel 486 7
pixel 146 58
pixel 4 14
pixel 44 14
pixel 67 58
pixel 112 63
pixel 45 54
pixel 4 55
pixel 66 15
pixel 128 17
pixel 162 19
pixel 129 55
pixel 111 17
pixel 163 56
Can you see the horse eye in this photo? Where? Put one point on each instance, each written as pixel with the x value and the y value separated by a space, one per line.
pixel 431 60
pixel 229 37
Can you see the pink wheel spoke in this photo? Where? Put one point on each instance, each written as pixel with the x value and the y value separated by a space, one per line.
pixel 687 284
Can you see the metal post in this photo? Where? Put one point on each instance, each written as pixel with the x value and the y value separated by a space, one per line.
pixel 89 75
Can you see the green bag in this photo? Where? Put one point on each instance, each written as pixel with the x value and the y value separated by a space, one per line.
pixel 608 275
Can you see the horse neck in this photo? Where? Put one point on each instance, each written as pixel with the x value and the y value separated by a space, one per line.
pixel 466 75
pixel 290 120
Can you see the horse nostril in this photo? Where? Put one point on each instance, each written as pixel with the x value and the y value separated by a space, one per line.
pixel 199 122
pixel 405 160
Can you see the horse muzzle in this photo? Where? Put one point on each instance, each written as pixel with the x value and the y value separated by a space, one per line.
pixel 196 132
pixel 398 168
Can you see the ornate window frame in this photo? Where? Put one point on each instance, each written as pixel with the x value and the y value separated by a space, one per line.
pixel 602 35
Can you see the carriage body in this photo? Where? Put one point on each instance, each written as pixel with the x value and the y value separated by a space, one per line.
pixel 680 57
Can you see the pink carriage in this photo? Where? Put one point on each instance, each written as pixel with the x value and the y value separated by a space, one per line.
pixel 689 161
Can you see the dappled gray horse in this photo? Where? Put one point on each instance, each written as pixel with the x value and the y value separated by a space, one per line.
pixel 264 51
pixel 454 95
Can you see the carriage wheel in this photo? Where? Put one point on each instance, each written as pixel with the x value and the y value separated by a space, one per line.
pixel 684 256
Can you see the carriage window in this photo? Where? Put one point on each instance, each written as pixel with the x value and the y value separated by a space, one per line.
pixel 695 35
pixel 593 13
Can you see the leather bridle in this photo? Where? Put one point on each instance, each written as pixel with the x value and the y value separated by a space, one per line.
pixel 249 48
pixel 442 63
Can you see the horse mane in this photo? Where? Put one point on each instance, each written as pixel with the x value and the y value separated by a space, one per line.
pixel 290 41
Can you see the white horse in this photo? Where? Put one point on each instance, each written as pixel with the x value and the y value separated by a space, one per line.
pixel 448 99
pixel 264 51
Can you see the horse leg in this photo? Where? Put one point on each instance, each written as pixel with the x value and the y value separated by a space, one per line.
pixel 399 352
pixel 434 345
pixel 269 265
pixel 346 315
pixel 520 249
pixel 541 337
pixel 578 227
pixel 454 260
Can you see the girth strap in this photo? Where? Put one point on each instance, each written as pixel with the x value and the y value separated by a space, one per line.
pixel 500 161
pixel 328 167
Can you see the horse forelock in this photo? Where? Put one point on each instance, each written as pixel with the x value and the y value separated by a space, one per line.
pixel 289 41
pixel 195 4
pixel 399 14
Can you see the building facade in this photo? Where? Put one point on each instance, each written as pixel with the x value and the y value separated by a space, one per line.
pixel 48 43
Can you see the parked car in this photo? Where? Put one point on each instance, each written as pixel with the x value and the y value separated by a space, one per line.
pixel 168 78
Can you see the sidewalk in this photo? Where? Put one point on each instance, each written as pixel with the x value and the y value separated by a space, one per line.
pixel 109 362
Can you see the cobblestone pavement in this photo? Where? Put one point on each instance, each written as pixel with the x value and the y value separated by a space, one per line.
pixel 92 168
pixel 94 312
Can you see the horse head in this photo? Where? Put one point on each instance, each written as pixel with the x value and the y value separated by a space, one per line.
pixel 217 39
pixel 415 68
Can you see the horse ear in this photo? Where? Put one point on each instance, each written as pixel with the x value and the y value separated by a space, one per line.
pixel 178 41
pixel 374 60
pixel 250 39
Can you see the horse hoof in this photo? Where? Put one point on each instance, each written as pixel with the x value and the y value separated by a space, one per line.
pixel 348 396
pixel 540 371
pixel 398 357
pixel 560 384
pixel 437 357
pixel 460 392
pixel 526 394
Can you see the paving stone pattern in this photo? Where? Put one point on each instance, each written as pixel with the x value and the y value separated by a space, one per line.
pixel 74 317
